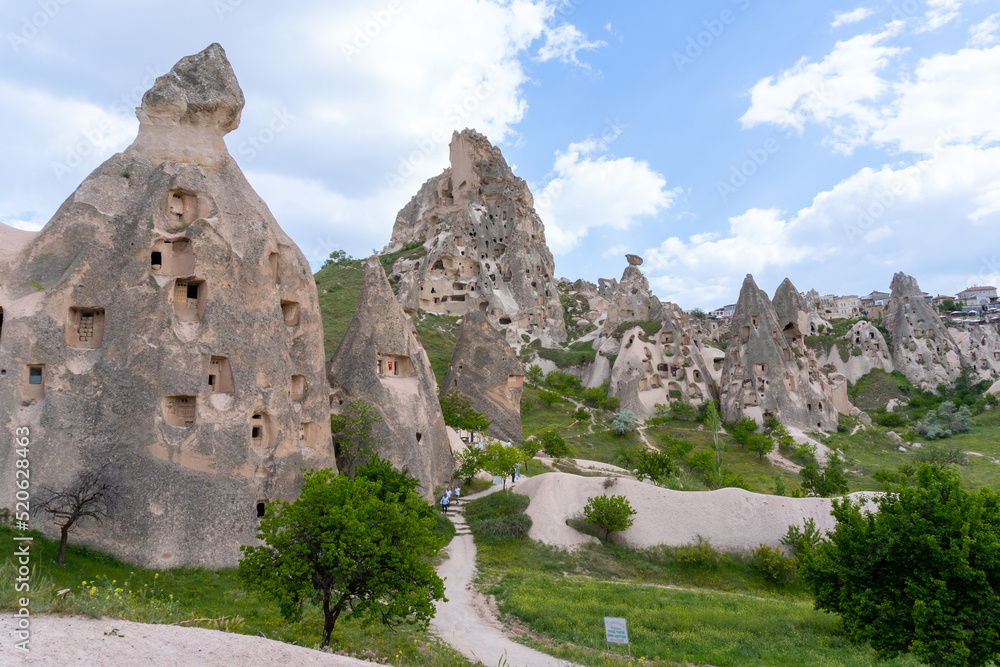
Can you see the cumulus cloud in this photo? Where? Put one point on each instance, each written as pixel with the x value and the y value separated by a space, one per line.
pixel 591 190
pixel 835 92
pixel 853 16
pixel 939 13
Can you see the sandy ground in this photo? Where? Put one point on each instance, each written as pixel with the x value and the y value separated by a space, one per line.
pixel 731 519
pixel 465 620
pixel 77 640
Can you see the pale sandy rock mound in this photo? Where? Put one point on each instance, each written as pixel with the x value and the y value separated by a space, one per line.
pixel 486 369
pixel 164 322
pixel 661 368
pixel 768 371
pixel 979 347
pixel 732 520
pixel 922 348
pixel 858 352
pixel 380 360
pixel 485 245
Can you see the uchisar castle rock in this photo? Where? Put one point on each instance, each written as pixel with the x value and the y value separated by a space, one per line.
pixel 163 326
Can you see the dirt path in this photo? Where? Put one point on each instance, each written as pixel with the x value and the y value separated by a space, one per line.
pixel 465 621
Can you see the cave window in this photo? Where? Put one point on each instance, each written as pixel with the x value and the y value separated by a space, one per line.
pixel 420 436
pixel 272 259
pixel 156 259
pixel 85 328
pixel 189 299
pixel 180 411
pixel 34 374
pixel 192 291
pixel 290 313
pixel 261 507
pixel 298 387
pixel 504 320
pixel 220 375
pixel 438 266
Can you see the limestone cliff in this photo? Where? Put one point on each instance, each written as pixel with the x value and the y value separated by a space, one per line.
pixel 164 322
pixel 767 373
pixel 922 348
pixel 380 360
pixel 486 369
pixel 485 244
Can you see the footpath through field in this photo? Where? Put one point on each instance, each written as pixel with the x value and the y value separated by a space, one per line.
pixel 464 621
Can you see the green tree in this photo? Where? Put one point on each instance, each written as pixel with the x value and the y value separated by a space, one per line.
pixel 920 575
pixel 553 444
pixel 534 374
pixel 549 398
pixel 760 445
pixel 456 408
pixel 744 429
pixel 344 543
pixel 354 438
pixel 623 423
pixel 827 482
pixel 714 424
pixel 468 462
pixel 501 460
pixel 609 513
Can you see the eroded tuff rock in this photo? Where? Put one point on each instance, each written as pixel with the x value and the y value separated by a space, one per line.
pixel 979 347
pixel 485 246
pixel 858 352
pixel 380 360
pixel 486 369
pixel 162 321
pixel 632 300
pixel 767 370
pixel 922 348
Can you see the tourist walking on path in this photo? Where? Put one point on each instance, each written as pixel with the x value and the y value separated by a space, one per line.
pixel 444 503
pixel 458 494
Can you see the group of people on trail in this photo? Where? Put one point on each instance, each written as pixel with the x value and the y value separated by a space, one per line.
pixel 446 498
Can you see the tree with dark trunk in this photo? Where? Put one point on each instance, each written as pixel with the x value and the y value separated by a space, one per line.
pixel 91 494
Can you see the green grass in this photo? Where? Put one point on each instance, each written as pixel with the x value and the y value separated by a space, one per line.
pixel 683 604
pixel 178 594
pixel 875 389
pixel 438 334
pixel 339 285
pixel 578 354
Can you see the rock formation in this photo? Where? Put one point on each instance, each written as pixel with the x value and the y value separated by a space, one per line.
pixel 767 373
pixel 922 348
pixel 632 300
pixel 380 360
pixel 979 347
pixel 162 321
pixel 485 246
pixel 858 352
pixel 486 369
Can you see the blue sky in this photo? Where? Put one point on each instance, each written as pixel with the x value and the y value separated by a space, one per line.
pixel 833 143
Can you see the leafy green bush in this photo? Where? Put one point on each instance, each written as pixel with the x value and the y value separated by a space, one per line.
pixel 609 513
pixel 743 429
pixel 826 483
pixel 801 541
pixel 772 565
pixel 947 420
pixel 891 420
pixel 549 398
pixel 700 554
pixel 504 527
pixel 553 444
pixel 565 383
pixel 498 516
pixel 534 374
pixel 683 411
pixel 941 455
pixel 760 445
pixel 581 414
pixel 647 463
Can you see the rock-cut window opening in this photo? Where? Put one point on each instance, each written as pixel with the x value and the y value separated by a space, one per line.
pixel 34 374
pixel 290 313
pixel 261 509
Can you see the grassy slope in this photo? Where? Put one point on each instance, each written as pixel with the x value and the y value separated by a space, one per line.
pixel 183 593
pixel 726 614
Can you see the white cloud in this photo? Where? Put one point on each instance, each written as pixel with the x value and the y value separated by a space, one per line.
pixel 985 33
pixel 589 191
pixel 853 16
pixel 939 13
pixel 564 42
pixel 835 92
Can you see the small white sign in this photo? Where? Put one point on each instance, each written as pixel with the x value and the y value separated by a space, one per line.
pixel 497 479
pixel 615 630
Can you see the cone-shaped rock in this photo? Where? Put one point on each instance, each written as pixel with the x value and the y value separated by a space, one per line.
pixel 764 375
pixel 486 369
pixel 162 321
pixel 632 300
pixel 381 361
pixel 922 348
pixel 485 246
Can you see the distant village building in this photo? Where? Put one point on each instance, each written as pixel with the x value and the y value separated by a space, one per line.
pixel 939 300
pixel 876 298
pixel 978 296
pixel 725 312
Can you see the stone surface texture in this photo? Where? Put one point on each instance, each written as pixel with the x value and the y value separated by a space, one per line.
pixel 163 322
pixel 485 244
pixel 922 348
pixel 380 360
pixel 485 369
